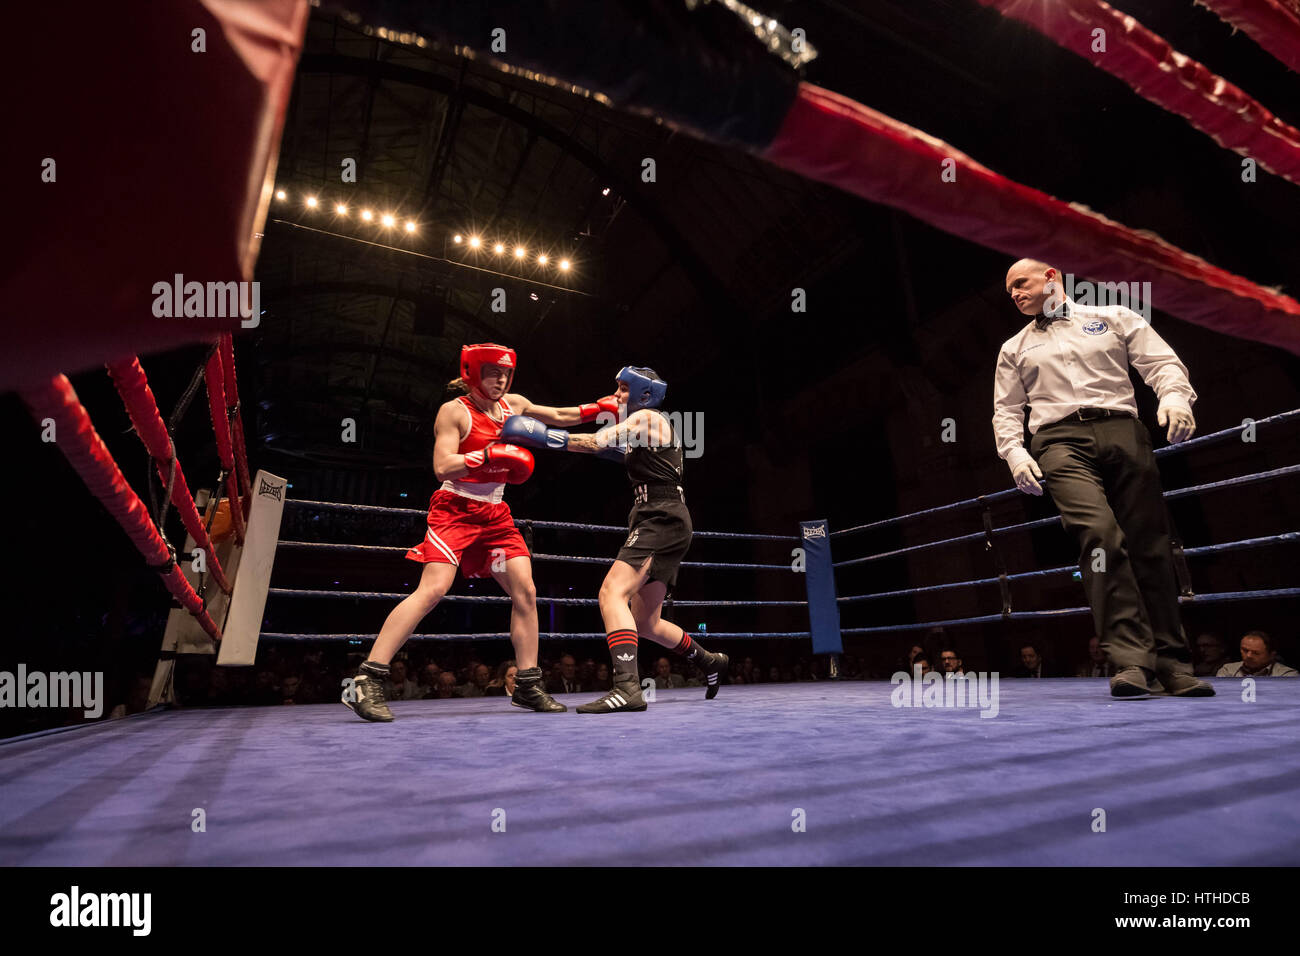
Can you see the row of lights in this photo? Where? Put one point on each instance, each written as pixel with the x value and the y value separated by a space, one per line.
pixel 388 220
pixel 476 242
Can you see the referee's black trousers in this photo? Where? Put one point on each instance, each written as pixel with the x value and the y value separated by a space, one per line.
pixel 1103 479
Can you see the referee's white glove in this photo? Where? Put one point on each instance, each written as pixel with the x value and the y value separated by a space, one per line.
pixel 1026 475
pixel 1181 423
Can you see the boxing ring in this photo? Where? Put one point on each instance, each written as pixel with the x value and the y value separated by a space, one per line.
pixel 825 772
pixel 809 773
pixel 1186 783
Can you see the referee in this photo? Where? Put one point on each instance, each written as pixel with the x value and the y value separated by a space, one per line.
pixel 1070 366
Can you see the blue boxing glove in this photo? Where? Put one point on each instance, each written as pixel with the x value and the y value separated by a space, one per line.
pixel 612 453
pixel 522 430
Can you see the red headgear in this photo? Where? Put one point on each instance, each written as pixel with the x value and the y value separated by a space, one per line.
pixel 474 357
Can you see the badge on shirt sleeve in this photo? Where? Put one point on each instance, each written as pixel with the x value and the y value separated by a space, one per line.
pixel 1095 327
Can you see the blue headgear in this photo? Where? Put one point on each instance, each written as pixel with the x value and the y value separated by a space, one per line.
pixel 645 389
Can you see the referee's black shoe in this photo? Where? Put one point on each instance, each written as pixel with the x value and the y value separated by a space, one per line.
pixel 530 694
pixel 626 696
pixel 1130 682
pixel 714 666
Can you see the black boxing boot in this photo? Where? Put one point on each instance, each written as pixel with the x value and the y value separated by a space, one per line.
pixel 365 694
pixel 714 664
pixel 530 694
pixel 626 696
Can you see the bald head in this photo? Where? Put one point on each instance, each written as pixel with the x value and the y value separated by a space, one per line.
pixel 1028 284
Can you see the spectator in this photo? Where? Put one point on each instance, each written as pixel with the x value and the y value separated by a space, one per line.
pixel 664 676
pixel 1031 661
pixel 922 662
pixel 916 651
pixel 747 670
pixel 774 675
pixel 587 672
pixel 1258 659
pixel 446 687
pixel 1098 665
pixel 399 686
pixel 430 677
pixel 264 689
pixel 503 684
pixel 1211 654
pixel 291 691
pixel 950 662
pixel 219 687
pixel 479 677
pixel 138 699
pixel 566 682
pixel 602 681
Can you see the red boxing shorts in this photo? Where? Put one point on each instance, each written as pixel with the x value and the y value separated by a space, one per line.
pixel 470 534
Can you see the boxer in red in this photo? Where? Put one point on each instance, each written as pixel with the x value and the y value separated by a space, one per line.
pixel 470 526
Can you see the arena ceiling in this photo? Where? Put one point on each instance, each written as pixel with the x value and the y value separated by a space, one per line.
pixel 693 272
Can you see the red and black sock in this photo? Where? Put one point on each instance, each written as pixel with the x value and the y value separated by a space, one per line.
pixel 622 653
pixel 689 649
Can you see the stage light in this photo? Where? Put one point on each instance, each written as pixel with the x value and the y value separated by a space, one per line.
pixel 281 194
pixel 498 248
pixel 388 219
pixel 456 238
pixel 475 242
pixel 341 209
pixel 519 252
pixel 311 202
pixel 367 215
pixel 410 226
pixel 543 259
pixel 564 265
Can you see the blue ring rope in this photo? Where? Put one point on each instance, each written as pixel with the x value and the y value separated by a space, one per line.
pixel 1010 493
pixel 1205 551
pixel 521 522
pixel 546 636
pixel 1215 598
pixel 562 558
pixel 1240 480
pixel 500 598
pixel 784 635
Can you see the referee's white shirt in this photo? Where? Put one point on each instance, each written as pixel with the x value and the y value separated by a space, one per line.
pixel 1080 361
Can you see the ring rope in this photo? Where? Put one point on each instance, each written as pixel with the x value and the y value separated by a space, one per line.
pixel 129 379
pixel 832 139
pixel 232 413
pixel 520 522
pixel 221 428
pixel 1072 611
pixel 501 599
pixel 1169 79
pixel 88 455
pixel 1241 480
pixel 1010 493
pixel 546 636
pixel 1283 538
pixel 562 558
pixel 1273 24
